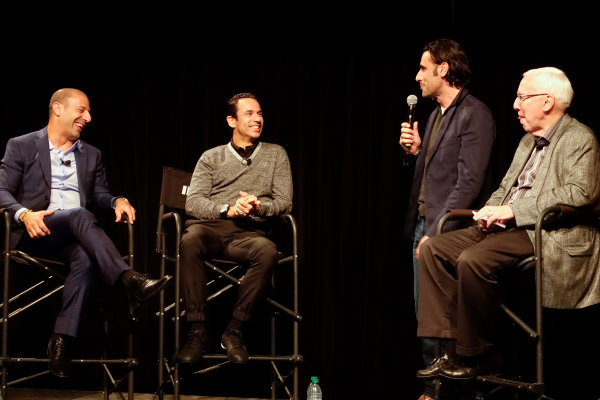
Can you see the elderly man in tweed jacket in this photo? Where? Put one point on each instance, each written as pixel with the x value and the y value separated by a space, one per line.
pixel 556 162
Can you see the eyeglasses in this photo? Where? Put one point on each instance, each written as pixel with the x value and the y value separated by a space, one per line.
pixel 523 97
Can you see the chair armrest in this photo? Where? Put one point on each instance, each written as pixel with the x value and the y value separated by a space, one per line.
pixel 6 235
pixel 588 214
pixel 456 213
pixel 160 230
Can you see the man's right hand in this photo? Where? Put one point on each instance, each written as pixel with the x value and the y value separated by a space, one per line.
pixel 34 223
pixel 410 141
pixel 247 204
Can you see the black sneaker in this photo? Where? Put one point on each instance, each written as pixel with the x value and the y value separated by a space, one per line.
pixel 232 342
pixel 194 347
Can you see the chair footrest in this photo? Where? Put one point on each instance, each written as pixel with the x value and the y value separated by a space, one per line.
pixel 536 388
pixel 291 358
pixel 127 361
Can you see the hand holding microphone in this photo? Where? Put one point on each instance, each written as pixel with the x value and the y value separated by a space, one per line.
pixel 409 138
pixel 412 102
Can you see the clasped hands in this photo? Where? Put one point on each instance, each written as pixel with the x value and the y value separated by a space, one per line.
pixel 489 215
pixel 246 204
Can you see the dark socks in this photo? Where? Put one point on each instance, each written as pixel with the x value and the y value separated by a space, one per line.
pixel 197 326
pixel 235 324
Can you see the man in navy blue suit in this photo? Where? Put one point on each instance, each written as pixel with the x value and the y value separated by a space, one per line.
pixel 49 182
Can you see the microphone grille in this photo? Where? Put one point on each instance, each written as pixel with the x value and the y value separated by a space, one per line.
pixel 412 100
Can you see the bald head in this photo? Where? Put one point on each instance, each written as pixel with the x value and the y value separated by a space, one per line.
pixel 61 95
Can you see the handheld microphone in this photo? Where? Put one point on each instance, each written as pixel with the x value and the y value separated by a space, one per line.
pixel 65 162
pixel 412 102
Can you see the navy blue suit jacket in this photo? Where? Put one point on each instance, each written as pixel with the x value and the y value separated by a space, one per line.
pixel 458 174
pixel 25 177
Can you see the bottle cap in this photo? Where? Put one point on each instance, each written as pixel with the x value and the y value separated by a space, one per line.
pixel 314 379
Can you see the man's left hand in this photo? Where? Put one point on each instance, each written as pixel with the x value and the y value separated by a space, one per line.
pixel 122 206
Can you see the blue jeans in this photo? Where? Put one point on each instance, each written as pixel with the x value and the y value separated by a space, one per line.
pixel 428 345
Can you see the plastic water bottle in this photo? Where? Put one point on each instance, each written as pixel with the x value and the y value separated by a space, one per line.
pixel 314 390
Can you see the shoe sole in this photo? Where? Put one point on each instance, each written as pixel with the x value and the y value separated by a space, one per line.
pixel 234 361
pixel 154 292
pixel 59 373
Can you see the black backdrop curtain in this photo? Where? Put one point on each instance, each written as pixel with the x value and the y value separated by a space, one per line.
pixel 333 91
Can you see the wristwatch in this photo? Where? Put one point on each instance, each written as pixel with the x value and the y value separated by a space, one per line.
pixel 223 210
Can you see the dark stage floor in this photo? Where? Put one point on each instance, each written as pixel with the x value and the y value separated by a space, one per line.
pixel 53 394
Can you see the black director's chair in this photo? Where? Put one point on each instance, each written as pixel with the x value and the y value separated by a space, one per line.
pixel 51 276
pixel 555 217
pixel 228 275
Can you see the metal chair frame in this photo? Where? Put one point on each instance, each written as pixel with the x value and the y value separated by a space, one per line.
pixel 551 214
pixel 52 283
pixel 171 208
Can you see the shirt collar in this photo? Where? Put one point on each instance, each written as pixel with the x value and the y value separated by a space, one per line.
pixel 544 140
pixel 75 146
pixel 456 99
pixel 247 151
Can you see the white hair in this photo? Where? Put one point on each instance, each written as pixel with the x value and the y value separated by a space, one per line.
pixel 553 81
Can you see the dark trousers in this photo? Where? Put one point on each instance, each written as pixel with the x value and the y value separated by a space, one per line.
pixel 459 288
pixel 205 239
pixel 78 241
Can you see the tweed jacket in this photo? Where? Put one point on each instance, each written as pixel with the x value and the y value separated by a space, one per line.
pixel 568 175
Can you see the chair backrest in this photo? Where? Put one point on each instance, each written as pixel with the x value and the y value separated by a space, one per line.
pixel 175 185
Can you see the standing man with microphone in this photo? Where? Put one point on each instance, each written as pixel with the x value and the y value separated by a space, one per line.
pixel 451 158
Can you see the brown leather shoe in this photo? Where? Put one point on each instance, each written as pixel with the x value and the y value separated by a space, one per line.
pixel 425 397
pixel 471 367
pixel 433 369
pixel 60 360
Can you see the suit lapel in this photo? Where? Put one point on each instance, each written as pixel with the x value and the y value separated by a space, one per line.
pixel 523 157
pixel 447 119
pixel 543 170
pixel 43 152
pixel 81 163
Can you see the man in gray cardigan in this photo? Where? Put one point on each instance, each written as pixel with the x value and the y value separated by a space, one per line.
pixel 234 189
pixel 556 162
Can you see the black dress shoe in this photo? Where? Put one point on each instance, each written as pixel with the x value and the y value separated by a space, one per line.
pixel 433 369
pixel 232 342
pixel 60 361
pixel 472 367
pixel 142 288
pixel 194 347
